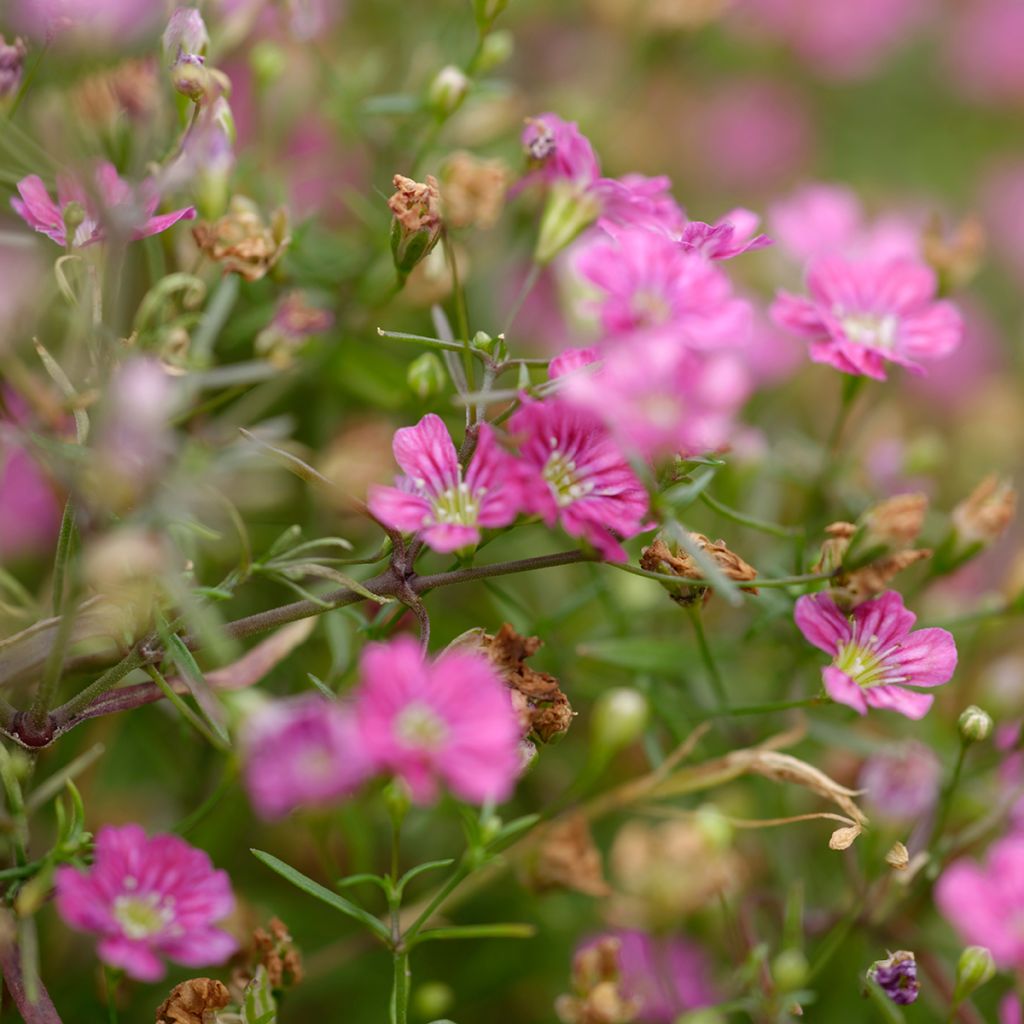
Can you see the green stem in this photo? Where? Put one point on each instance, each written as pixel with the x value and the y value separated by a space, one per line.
pixel 186 712
pixel 227 780
pixel 64 541
pixel 708 658
pixel 111 977
pixel 785 532
pixel 455 879
pixel 529 283
pixel 947 793
pixel 461 312
pixel 400 989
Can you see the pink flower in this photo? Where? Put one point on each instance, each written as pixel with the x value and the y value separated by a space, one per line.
pixel 146 898
pixel 571 361
pixel 1010 1010
pixel 573 472
pixel 302 752
pixel 657 397
pixel 29 510
pixel 114 204
pixel 983 48
pixel 861 315
pixel 875 656
pixel 638 201
pixel 448 721
pixel 901 784
pixel 559 150
pixel 729 236
pixel 433 497
pixel 986 903
pixel 647 282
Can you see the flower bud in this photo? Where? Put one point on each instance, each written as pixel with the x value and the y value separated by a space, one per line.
pixel 974 724
pixel 789 970
pixel 190 77
pixel 714 826
pixel 74 216
pixel 896 976
pixel 448 90
pixel 974 968
pixel 185 33
pixel 397 800
pixel 426 375
pixel 12 66
pixel 432 998
pixel 619 718
pixel 268 62
pixel 495 51
pixel 569 210
pixel 417 224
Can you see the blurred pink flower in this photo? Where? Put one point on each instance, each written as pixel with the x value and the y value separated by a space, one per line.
pixel 901 784
pixel 648 282
pixel 983 49
pixel 559 151
pixel 862 315
pixel 731 235
pixel 86 22
pixel 29 509
pixel 638 201
pixel 146 898
pixel 1010 1010
pixel 573 473
pixel 752 134
pixel 1002 198
pixel 12 65
pixel 302 752
pixel 571 360
pixel 114 203
pixel 667 976
pixel 838 39
pixel 986 903
pixel 875 656
pixel 434 498
pixel 657 397
pixel 445 721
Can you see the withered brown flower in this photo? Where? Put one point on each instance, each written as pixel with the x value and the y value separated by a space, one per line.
pixel 240 240
pixel 567 858
pixel 673 560
pixel 188 1001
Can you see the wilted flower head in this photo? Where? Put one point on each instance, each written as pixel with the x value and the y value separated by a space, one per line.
pixel 302 752
pixel 473 190
pixel 983 516
pixel 875 654
pixel 435 498
pixel 668 557
pixel 147 898
pixel 897 977
pixel 574 473
pixel 862 315
pixel 566 857
pixel 130 88
pixel 87 211
pixel 189 1002
pixel 242 242
pixel 417 222
pixel 295 321
pixel 985 903
pixel 447 721
pixel 901 785
pixel 12 65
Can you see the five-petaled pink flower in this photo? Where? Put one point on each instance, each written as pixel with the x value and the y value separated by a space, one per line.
pixel 862 315
pixel 559 150
pixel 731 235
pixel 302 752
pixel 648 282
pixel 875 656
pixel 447 721
pixel 573 472
pixel 435 498
pixel 985 903
pixel 109 202
pixel 148 897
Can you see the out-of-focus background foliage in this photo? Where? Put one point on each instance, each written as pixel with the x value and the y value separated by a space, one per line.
pixel 914 104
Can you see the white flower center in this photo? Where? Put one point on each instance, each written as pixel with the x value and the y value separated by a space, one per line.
pixel 566 486
pixel 143 915
pixel 872 330
pixel 418 725
pixel 457 505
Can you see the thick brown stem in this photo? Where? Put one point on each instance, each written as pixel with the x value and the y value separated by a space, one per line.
pixel 42 1011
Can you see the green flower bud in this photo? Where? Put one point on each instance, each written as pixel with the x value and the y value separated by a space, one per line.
pixel 426 375
pixel 397 800
pixel 268 62
pixel 619 718
pixel 74 215
pixel 714 826
pixel 495 51
pixel 974 968
pixel 974 724
pixel 432 998
pixel 789 969
pixel 448 90
pixel 569 210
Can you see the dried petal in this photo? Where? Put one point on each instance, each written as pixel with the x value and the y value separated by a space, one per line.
pixel 188 1001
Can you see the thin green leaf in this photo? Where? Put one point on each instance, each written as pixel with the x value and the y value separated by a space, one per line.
pixel 430 865
pixel 67 389
pixel 478 931
pixel 193 677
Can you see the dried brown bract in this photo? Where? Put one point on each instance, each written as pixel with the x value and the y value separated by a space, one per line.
pixel 983 516
pixel 189 1001
pixel 240 240
pixel 673 560
pixel 473 190
pixel 567 858
pixel 897 521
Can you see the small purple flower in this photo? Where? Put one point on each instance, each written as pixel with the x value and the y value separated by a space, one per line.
pixel 435 498
pixel 897 977
pixel 902 784
pixel 12 64
pixel 147 898
pixel 302 752
pixel 875 656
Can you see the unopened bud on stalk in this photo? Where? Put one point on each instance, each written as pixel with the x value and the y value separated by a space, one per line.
pixel 268 62
pixel 789 970
pixel 185 34
pixel 448 90
pixel 495 51
pixel 426 375
pixel 417 223
pixel 569 210
pixel 974 724
pixel 397 800
pixel 619 718
pixel 974 968
pixel 432 998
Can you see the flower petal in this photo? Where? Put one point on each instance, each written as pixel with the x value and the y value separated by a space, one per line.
pixel 896 698
pixel 427 454
pixel 399 509
pixel 843 690
pixel 134 958
pixel 822 623
pixel 927 657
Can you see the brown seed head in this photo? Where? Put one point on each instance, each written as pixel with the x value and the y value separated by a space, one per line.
pixel 955 255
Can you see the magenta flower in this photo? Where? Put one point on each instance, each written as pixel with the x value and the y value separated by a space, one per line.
pixel 113 202
pixel 731 235
pixel 572 360
pixel 983 49
pixel 875 656
pixel 862 315
pixel 901 784
pixel 657 397
pixel 559 150
pixel 147 898
pixel 986 903
pixel 302 752
pixel 30 511
pixel 573 472
pixel 648 282
pixel 635 200
pixel 1010 1010
pixel 434 497
pixel 447 721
